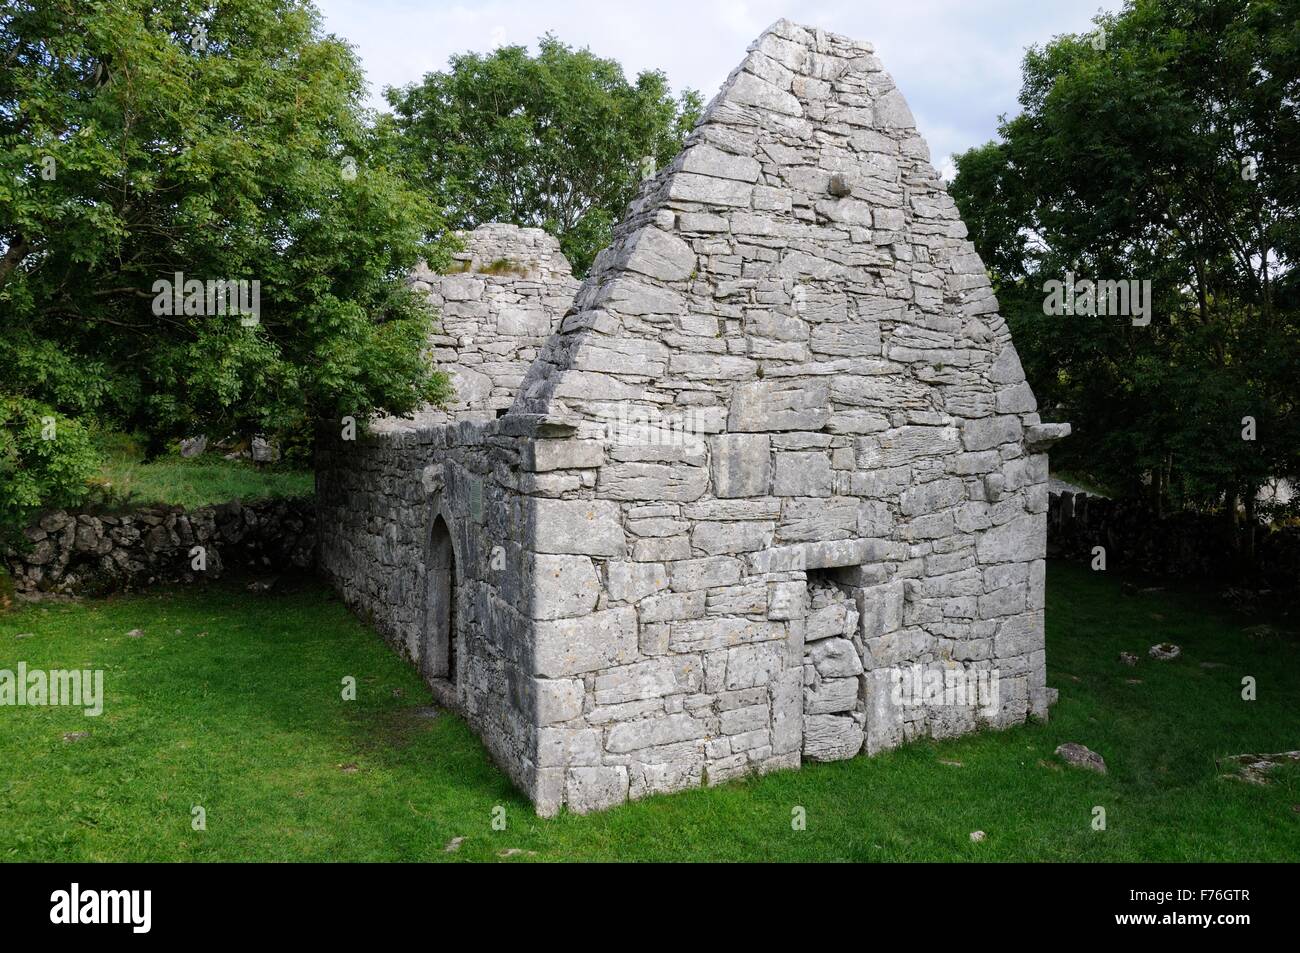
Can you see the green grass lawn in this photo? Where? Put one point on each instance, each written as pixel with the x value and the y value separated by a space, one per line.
pixel 199 481
pixel 232 701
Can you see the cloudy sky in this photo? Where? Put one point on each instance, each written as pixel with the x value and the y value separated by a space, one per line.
pixel 956 61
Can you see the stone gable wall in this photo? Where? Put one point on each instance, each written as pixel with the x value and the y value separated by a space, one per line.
pixel 796 292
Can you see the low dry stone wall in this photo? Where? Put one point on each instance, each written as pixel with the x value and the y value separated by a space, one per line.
pixel 1183 545
pixel 93 554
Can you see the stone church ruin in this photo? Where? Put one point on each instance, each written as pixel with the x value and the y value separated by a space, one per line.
pixel 724 507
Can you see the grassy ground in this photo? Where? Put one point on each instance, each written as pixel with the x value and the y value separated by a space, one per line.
pixel 232 701
pixel 199 481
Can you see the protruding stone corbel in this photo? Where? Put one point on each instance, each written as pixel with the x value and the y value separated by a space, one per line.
pixel 1038 437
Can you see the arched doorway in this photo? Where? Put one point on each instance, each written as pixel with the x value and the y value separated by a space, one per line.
pixel 438 653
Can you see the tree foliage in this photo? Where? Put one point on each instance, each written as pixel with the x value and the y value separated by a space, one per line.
pixel 1165 146
pixel 555 140
pixel 142 138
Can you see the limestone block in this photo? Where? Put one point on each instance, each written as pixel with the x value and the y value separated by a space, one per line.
pixel 706 573
pixel 812 520
pixel 741 464
pixel 659 255
pixel 557 699
pixel 989 432
pixel 931 497
pixel 1019 540
pixel 665 777
pixel 573 646
pixel 578 527
pixel 672 606
pixel 653 679
pixel 749 90
pixel 857 339
pixel 707 190
pixel 902 446
pixel 1018 399
pixel 750 598
pixel 803 474
pixel 557 747
pixel 595 788
pixel 667 549
pixel 563 586
pixel 785 600
pixel 541 455
pixel 523 322
pixel 777 405
pixel 829 696
pixel 1038 437
pixel 629 358
pixel 840 619
pixel 707 160
pixel 741 720
pixel 729 538
pixel 831 737
pixel 835 658
pixel 649 732
pixel 884 721
pixel 1006 369
pixel 471 387
pixel 749 666
pixel 632 581
pixel 652 481
pixel 1019 635
pixel 787 711
pixel 630 296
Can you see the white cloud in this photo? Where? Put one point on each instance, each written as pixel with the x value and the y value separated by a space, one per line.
pixel 956 61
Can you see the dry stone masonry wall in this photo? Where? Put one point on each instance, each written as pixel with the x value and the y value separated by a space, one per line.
pixel 98 553
pixel 497 308
pixel 778 462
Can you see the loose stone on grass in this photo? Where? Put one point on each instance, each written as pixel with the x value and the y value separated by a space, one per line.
pixel 1081 757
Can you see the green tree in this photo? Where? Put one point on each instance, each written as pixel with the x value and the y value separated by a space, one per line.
pixel 145 138
pixel 1164 146
pixel 555 141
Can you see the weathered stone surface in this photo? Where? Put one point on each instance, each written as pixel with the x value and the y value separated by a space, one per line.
pixel 557 699
pixel 705 573
pixel 659 255
pixel 563 586
pixel 831 737
pixel 777 406
pixel 653 679
pixel 595 788
pixel 651 732
pixel 831 695
pixel 653 481
pixel 579 527
pixel 633 581
pixel 989 432
pixel 706 160
pixel 742 464
pixel 803 474
pixel 1023 538
pixel 835 658
pixel 587 644
pixel 541 455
